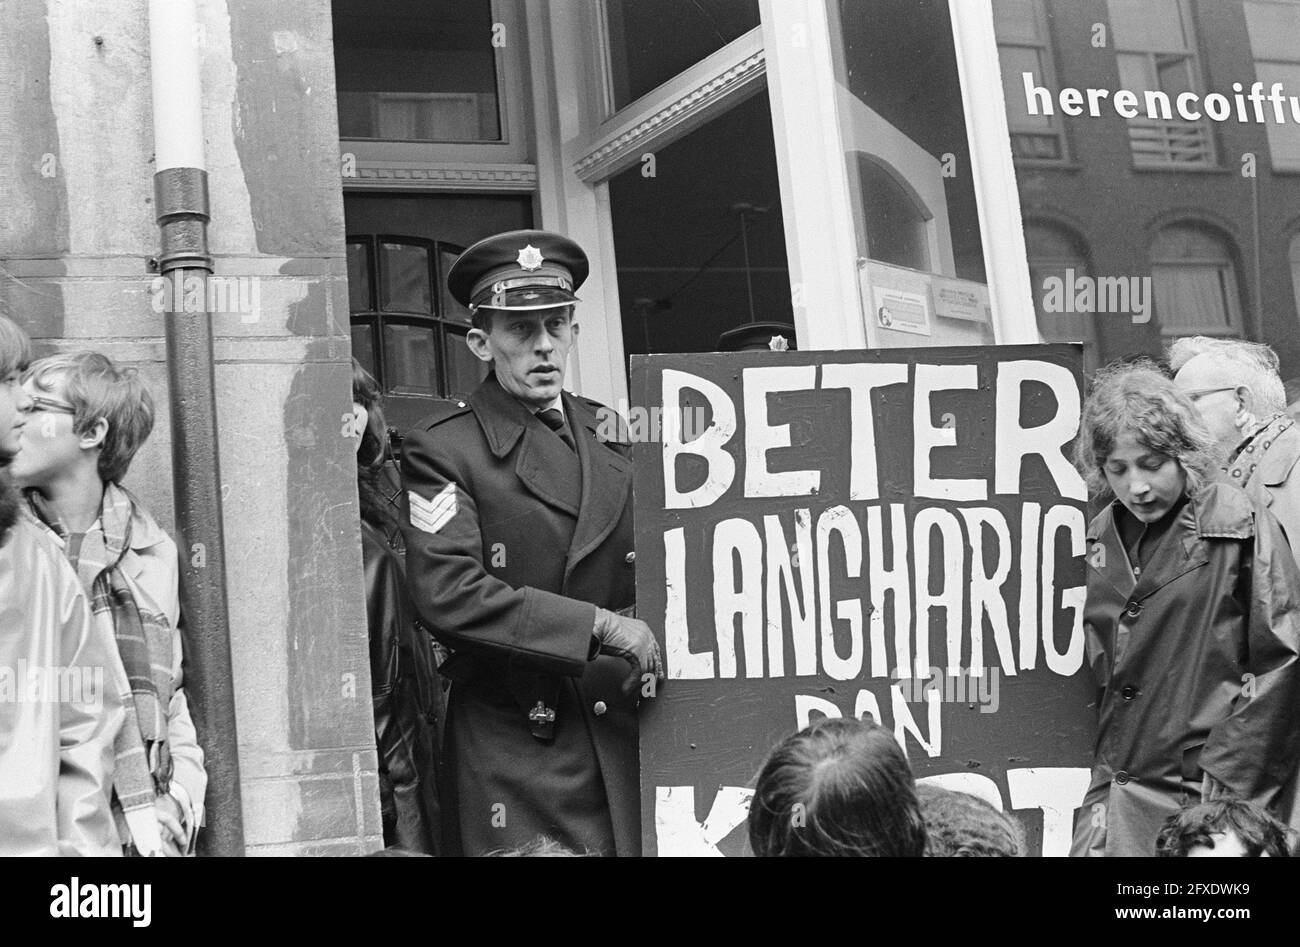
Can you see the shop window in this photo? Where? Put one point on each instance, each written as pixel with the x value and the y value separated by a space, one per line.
pixel 650 43
pixel 406 331
pixel 701 246
pixel 418 70
pixel 1024 45
pixel 1156 50
pixel 1057 253
pixel 1194 281
pixel 1274 28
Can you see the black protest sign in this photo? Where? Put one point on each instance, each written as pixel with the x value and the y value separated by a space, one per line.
pixel 897 533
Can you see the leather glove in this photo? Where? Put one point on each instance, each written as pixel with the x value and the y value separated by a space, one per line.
pixel 630 639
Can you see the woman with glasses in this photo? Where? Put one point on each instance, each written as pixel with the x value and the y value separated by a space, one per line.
pixel 1192 620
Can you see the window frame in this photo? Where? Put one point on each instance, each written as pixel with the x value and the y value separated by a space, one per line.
pixel 505 166
pixel 376 318
pixel 1226 270
pixel 1293 166
pixel 1047 62
pixel 1191 54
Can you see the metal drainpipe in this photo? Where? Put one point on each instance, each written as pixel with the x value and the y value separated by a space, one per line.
pixel 181 197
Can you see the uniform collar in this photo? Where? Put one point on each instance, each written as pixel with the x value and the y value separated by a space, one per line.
pixel 502 416
pixel 557 404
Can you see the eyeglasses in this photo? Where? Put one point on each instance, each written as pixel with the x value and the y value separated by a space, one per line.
pixel 1199 393
pixel 51 405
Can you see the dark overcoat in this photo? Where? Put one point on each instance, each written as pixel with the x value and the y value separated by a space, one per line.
pixel 405 690
pixel 1196 661
pixel 512 541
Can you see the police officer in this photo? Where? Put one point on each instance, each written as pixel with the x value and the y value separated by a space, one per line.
pixel 518 528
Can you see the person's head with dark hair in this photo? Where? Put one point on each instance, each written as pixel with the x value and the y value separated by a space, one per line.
pixel 1225 828
pixel 373 449
pixel 840 787
pixel 959 825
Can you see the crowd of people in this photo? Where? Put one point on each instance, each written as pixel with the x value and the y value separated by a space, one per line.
pixel 506 661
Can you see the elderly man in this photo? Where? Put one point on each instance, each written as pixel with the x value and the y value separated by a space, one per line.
pixel 1237 388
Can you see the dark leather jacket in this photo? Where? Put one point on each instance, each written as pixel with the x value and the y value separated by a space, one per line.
pixel 407 696
pixel 1197 660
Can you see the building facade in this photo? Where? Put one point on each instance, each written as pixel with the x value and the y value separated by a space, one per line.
pixel 855 168
pixel 1208 210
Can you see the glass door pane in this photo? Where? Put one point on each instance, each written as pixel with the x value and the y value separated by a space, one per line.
pixel 363 346
pixel 360 298
pixel 411 359
pixel 404 277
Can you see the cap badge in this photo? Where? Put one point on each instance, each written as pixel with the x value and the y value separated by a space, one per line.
pixel 530 258
pixel 778 343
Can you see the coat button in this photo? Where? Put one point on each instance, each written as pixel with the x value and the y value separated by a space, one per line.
pixel 1134 609
pixel 630 558
pixel 1121 778
pixel 599 708
pixel 1128 693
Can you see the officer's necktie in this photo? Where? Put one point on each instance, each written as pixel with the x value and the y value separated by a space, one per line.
pixel 554 419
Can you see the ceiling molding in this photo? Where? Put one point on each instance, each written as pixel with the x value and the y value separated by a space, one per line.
pixel 441 176
pixel 726 78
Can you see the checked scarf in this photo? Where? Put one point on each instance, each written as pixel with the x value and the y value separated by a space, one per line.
pixel 144 641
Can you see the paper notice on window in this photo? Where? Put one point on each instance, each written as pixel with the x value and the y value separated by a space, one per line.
pixel 896 298
pixel 961 299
